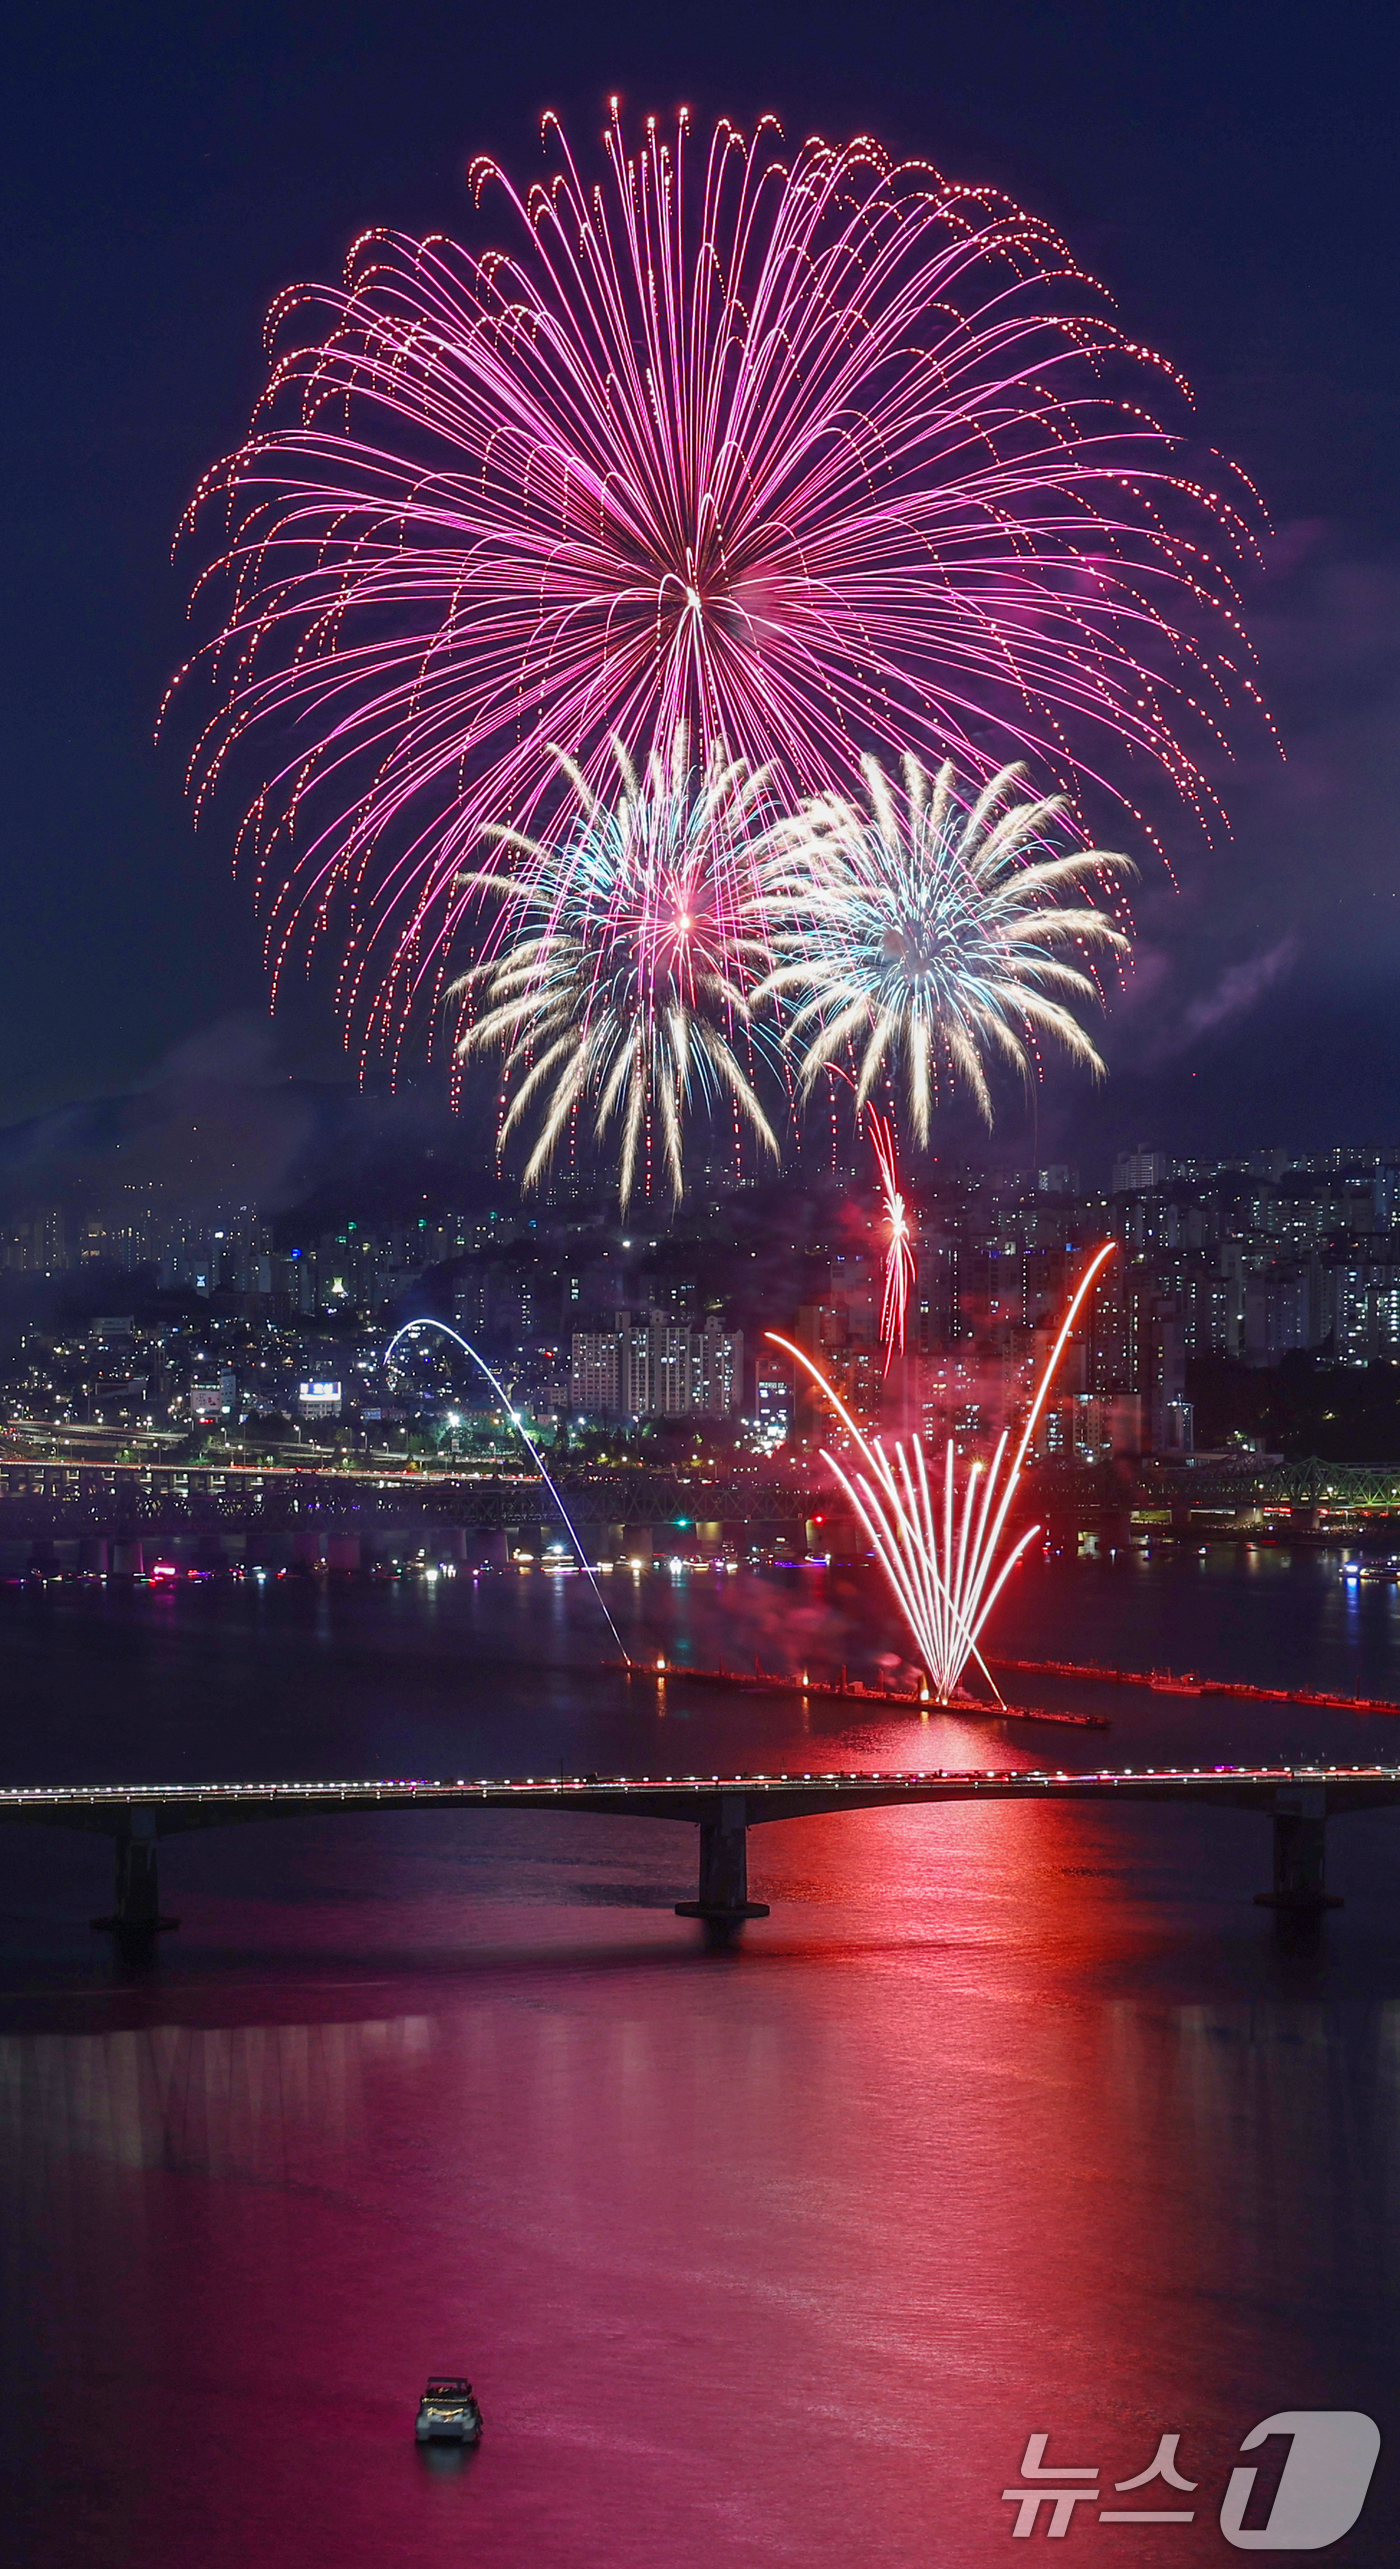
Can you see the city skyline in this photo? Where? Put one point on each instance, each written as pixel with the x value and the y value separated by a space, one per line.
pixel 1256 1302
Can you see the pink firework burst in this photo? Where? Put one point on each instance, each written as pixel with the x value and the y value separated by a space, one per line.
pixel 816 454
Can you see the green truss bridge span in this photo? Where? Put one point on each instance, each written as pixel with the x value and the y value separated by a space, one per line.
pixel 1298 1801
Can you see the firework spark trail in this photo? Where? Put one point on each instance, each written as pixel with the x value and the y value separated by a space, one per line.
pixel 410 1329
pixel 945 1582
pixel 615 979
pixel 817 454
pixel 901 1266
pixel 915 933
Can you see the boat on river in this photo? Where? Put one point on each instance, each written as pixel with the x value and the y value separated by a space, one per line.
pixel 449 2412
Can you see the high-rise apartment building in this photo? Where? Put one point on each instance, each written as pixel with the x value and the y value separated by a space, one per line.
pixel 1139 1168
pixel 38 1246
pixel 594 1373
pixel 717 1370
pixel 669 1367
pixel 656 1368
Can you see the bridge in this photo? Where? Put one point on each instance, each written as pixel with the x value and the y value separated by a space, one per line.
pixel 1298 1800
pixel 1221 1484
pixel 123 1500
pixel 43 1498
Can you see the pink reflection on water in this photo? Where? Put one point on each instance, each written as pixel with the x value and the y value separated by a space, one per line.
pixel 1008 2120
pixel 767 2258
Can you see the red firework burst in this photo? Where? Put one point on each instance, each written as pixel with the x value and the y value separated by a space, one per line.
pixel 901 1265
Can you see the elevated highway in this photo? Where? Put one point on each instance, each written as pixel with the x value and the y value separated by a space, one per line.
pixel 135 1498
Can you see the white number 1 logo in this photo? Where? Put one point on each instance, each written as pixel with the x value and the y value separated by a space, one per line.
pixel 1324 2483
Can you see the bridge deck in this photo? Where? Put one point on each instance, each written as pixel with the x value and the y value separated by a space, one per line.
pixel 1298 1799
pixel 689 1797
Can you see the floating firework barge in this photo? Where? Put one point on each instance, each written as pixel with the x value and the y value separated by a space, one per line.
pixel 770 1681
pixel 1165 1681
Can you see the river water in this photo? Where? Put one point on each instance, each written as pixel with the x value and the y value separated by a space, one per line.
pixel 1008 2121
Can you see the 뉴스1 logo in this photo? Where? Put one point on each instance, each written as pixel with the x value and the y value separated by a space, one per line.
pixel 1318 2499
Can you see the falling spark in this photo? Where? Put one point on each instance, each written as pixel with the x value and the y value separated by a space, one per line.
pixel 942 1560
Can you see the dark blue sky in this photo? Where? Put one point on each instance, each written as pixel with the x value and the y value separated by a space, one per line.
pixel 1229 169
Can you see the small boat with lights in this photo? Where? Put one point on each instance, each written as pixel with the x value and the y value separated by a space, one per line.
pixel 449 2412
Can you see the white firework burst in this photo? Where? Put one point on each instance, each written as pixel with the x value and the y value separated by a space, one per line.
pixel 911 932
pixel 617 982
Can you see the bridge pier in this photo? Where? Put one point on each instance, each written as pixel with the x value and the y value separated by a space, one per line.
pixel 1300 1851
pixel 136 1906
pixel 723 1900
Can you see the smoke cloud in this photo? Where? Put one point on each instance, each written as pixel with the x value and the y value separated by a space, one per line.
pixel 1238 989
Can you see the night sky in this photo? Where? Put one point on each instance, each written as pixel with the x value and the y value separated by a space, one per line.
pixel 1229 170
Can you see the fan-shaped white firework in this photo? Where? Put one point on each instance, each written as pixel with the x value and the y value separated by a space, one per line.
pixel 941 1552
pixel 921 929
pixel 620 958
